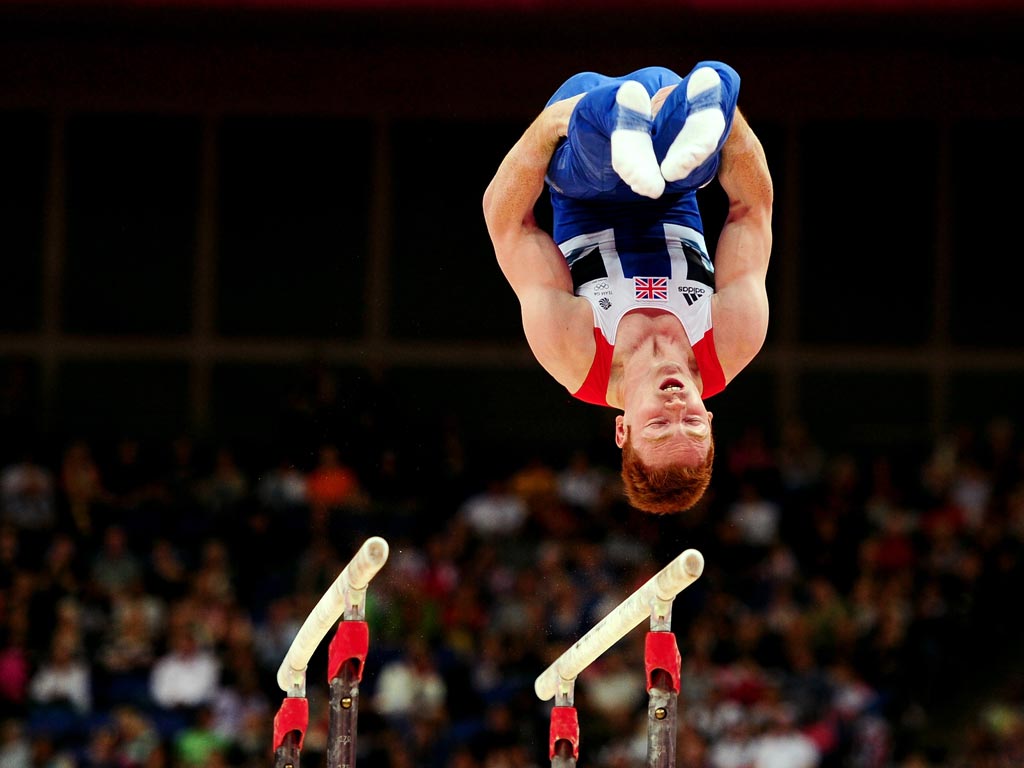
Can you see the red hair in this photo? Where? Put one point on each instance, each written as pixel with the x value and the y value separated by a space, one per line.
pixel 664 490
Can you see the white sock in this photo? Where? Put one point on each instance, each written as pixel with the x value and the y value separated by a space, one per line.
pixel 632 151
pixel 703 128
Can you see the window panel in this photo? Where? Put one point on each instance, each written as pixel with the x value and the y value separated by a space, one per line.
pixel 447 283
pixel 24 170
pixel 131 223
pixel 867 216
pixel 986 292
pixel 294 206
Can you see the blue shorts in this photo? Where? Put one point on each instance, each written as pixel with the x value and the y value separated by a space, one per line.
pixel 580 175
pixel 582 165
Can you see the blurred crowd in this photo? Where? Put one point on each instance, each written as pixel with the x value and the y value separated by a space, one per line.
pixel 855 611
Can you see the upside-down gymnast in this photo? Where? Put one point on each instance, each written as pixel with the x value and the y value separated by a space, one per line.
pixel 621 303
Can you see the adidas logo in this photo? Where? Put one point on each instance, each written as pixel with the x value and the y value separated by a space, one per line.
pixel 691 293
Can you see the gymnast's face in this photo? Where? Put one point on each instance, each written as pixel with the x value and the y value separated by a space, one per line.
pixel 665 418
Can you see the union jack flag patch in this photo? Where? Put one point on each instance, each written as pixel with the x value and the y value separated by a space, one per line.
pixel 651 288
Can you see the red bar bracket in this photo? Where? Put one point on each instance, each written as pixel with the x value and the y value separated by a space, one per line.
pixel 565 726
pixel 292 716
pixel 662 652
pixel 351 641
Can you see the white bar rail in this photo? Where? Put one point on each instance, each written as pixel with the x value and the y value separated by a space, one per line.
pixel 355 576
pixel 664 585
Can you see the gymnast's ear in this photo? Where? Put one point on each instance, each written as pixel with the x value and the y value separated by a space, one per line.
pixel 620 431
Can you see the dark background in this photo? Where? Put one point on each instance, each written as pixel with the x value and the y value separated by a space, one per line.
pixel 259 224
pixel 199 204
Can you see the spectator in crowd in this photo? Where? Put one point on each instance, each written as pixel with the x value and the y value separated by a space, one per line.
pixel 28 502
pixel 332 484
pixel 199 745
pixel 613 688
pixel 410 687
pixel 242 712
pixel 756 517
pixel 115 568
pixel 127 652
pixel 15 669
pixel 186 675
pixel 128 481
pixel 581 484
pixel 165 572
pixel 283 488
pixel 331 488
pixel 800 459
pixel 781 744
pixel 15 749
pixel 82 483
pixel 64 680
pixel 868 588
pixel 223 489
pixel 137 742
pixel 274 633
pixel 495 511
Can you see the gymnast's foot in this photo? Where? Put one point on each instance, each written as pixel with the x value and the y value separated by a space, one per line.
pixel 703 129
pixel 632 151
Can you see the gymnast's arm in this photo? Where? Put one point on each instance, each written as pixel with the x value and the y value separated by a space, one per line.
pixel 744 248
pixel 528 257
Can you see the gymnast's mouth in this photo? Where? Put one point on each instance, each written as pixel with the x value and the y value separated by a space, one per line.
pixel 671 385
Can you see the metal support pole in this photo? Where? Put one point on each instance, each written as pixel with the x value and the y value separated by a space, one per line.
pixel 290 725
pixel 287 755
pixel 346 656
pixel 663 663
pixel 344 715
pixel 661 722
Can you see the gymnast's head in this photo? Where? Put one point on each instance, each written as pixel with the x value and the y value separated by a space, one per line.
pixel 667 446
